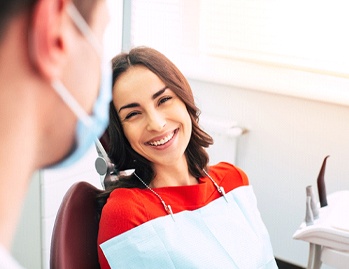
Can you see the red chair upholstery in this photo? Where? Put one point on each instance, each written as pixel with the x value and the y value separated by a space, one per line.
pixel 74 238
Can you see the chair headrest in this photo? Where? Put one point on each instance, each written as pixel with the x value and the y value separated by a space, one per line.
pixel 74 237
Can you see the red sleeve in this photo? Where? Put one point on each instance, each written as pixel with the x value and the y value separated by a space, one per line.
pixel 229 176
pixel 244 177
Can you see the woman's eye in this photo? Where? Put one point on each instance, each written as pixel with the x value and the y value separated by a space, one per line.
pixel 164 99
pixel 130 115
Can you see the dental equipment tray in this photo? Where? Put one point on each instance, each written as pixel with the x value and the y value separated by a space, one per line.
pixel 331 229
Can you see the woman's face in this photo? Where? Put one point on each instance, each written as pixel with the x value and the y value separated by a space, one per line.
pixel 155 121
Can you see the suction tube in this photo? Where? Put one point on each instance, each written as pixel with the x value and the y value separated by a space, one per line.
pixel 321 184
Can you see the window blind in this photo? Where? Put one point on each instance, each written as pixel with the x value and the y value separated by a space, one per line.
pixel 248 43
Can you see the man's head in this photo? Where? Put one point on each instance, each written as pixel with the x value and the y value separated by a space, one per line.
pixel 9 9
pixel 41 43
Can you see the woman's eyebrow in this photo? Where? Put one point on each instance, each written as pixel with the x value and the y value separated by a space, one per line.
pixel 158 93
pixel 129 106
pixel 154 96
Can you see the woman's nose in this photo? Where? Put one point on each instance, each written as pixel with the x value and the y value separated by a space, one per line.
pixel 156 122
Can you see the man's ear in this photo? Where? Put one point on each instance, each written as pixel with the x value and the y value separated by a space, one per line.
pixel 47 37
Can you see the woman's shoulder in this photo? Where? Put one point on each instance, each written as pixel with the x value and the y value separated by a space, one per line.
pixel 123 211
pixel 122 201
pixel 115 206
pixel 224 170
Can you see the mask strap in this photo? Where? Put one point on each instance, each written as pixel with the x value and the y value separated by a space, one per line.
pixel 62 91
pixel 71 102
pixel 83 27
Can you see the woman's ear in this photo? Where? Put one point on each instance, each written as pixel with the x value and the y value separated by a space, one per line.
pixel 48 37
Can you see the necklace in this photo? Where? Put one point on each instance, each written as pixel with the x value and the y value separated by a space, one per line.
pixel 167 207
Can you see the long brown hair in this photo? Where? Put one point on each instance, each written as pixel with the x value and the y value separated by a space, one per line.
pixel 120 150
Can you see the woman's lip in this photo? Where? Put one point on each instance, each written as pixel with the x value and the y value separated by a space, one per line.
pixel 158 138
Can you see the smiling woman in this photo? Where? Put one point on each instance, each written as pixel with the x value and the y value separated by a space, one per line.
pixel 154 120
pixel 174 208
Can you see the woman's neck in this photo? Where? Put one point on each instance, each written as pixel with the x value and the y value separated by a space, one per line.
pixel 172 175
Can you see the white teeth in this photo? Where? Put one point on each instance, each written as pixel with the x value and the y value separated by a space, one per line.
pixel 162 141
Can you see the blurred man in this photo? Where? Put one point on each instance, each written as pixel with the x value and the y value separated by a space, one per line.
pixel 54 93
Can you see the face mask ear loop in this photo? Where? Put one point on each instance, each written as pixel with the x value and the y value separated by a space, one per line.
pixel 71 102
pixel 57 85
pixel 83 27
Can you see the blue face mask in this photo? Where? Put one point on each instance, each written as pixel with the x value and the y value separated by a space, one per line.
pixel 89 127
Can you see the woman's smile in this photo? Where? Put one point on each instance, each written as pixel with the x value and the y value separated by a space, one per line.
pixel 164 141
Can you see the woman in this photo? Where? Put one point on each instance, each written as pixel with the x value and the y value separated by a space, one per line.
pixel 173 211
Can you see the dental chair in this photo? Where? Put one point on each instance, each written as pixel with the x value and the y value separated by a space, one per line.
pixel 74 237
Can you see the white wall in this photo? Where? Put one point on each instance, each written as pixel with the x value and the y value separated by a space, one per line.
pixel 26 246
pixel 283 153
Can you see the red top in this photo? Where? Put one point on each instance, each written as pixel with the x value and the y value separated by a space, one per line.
pixel 127 208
